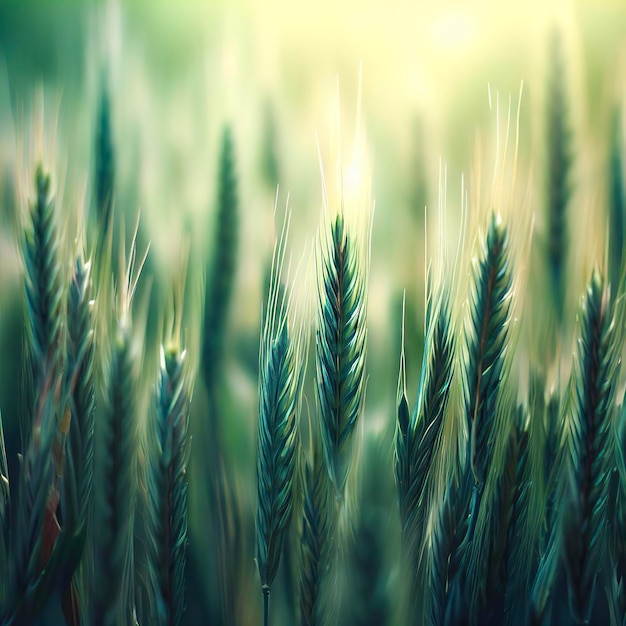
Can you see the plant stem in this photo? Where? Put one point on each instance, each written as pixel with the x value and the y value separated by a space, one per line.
pixel 266 606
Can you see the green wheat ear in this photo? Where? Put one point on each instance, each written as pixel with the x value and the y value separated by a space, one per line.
pixel 117 468
pixel 220 279
pixel 590 446
pixel 115 497
pixel 280 384
pixel 558 173
pixel 341 345
pixel 167 487
pixel 517 556
pixel 43 285
pixel 78 473
pixel 418 436
pixel 486 337
pixel 315 539
pixel 484 367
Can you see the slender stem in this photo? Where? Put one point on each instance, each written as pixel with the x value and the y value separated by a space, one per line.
pixel 266 606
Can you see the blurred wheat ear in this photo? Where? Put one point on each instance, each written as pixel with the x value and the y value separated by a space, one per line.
pixel 36 554
pixel 34 529
pixel 280 385
pixel 167 488
pixel 104 164
pixel 341 345
pixel 77 484
pixel 517 555
pixel 590 447
pixel 617 200
pixel 220 277
pixel 116 481
pixel 558 167
pixel 43 283
pixel 315 539
pixel 113 523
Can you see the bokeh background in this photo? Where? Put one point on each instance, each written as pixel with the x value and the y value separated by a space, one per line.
pixel 428 73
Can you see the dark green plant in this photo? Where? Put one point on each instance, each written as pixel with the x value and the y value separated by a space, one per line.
pixel 220 278
pixel 280 384
pixel 341 345
pixel 558 172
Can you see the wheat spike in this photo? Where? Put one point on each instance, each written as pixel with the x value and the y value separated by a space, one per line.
pixel 517 555
pixel 76 485
pixel 118 469
pixel 590 446
pixel 43 286
pixel 220 278
pixel 418 438
pixel 167 487
pixel 35 530
pixel 341 346
pixel 441 547
pixel 280 384
pixel 315 540
pixel 559 162
pixel 104 164
pixel 486 342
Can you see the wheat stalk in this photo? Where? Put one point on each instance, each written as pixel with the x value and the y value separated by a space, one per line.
pixel 590 447
pixel 114 513
pixel 486 336
pixel 167 487
pixel 341 341
pixel 517 555
pixel 280 384
pixel 76 485
pixel 418 437
pixel 315 540
pixel 43 287
pixel 441 547
pixel 116 436
pixel 35 529
pixel 487 566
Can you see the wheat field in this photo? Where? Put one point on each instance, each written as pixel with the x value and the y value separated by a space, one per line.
pixel 312 314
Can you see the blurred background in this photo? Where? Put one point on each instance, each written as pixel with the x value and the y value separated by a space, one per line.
pixel 429 74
